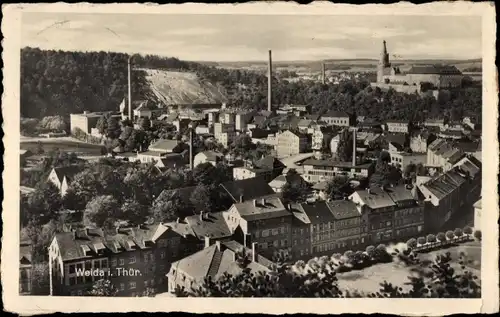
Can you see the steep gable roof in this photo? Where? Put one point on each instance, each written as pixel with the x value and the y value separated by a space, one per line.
pixel 249 188
pixel 68 171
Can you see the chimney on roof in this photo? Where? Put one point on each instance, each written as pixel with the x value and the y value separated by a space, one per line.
pixel 217 243
pixel 201 215
pixel 323 73
pixel 207 242
pixel 369 190
pixel 241 198
pixel 255 202
pixel 129 91
pixel 254 251
pixel 354 147
pixel 263 201
pixel 269 82
pixel 178 220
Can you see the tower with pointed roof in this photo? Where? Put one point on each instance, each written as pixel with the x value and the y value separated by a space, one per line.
pixel 383 63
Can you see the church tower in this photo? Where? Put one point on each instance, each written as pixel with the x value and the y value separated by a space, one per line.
pixel 383 63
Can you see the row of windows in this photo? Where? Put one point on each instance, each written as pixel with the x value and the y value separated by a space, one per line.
pixel 88 265
pixel 300 241
pixel 274 244
pixel 403 222
pixel 301 230
pixel 337 245
pixel 270 232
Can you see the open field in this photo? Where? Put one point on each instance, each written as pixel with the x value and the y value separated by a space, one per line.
pixel 66 144
pixel 368 280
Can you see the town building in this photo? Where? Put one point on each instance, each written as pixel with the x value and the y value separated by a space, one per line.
pixel 264 221
pixel 290 143
pixel 280 181
pixel 418 79
pixel 439 123
pixel 247 189
pixel 337 118
pixel 316 171
pixel 442 153
pixel 398 126
pixel 393 213
pixel 211 157
pixel 403 159
pixel 162 149
pixel 62 177
pixel 147 109
pixel 137 259
pixel 420 141
pixel 25 268
pixel 321 137
pixel 212 262
pixel 87 120
pixel 224 133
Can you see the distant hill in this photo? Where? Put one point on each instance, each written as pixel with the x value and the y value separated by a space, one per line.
pixel 175 87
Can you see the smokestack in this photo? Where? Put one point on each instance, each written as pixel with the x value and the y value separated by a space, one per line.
pixel 129 92
pixel 269 82
pixel 323 73
pixel 354 147
pixel 191 147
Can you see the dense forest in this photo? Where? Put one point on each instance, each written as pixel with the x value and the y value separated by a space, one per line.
pixel 60 83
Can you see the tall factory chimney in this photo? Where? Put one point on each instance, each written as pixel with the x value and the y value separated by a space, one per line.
pixel 269 82
pixel 354 147
pixel 191 147
pixel 323 73
pixel 129 91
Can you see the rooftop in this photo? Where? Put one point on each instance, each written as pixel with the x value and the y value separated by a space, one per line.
pixel 68 171
pixel 261 209
pixel 212 225
pixel 249 188
pixel 434 69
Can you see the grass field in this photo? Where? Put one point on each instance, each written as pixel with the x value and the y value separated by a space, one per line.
pixel 63 144
pixel 368 280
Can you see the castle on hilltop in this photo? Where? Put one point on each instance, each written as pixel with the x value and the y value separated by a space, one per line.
pixel 418 79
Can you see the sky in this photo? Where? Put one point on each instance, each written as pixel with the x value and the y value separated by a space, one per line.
pixel 227 37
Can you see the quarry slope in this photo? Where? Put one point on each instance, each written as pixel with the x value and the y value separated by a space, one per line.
pixel 176 88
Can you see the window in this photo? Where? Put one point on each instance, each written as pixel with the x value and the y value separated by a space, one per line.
pixel 265 233
pixel 113 262
pixel 276 243
pixel 131 285
pixel 152 282
pixel 71 269
pixel 132 260
pixel 162 255
pixel 104 263
pixel 88 265
pixel 152 257
pixel 146 257
pixel 80 279
pixel 283 243
pixel 72 281
pixel 97 264
pixel 146 283
pixel 122 261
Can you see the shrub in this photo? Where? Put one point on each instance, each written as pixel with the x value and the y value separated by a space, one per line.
pixel 441 237
pixel 458 232
pixel 450 235
pixel 381 247
pixel 431 238
pixel 348 254
pixel 421 240
pixel 478 235
pixel 370 249
pixel 467 230
pixel 412 243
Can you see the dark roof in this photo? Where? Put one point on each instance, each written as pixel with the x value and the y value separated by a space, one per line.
pixel 467 146
pixel 68 171
pixel 250 188
pixel 375 198
pixel 336 114
pixel 216 260
pixel 397 121
pixel 332 163
pixel 343 209
pixel 212 225
pixel 400 194
pixel 435 69
pixel 314 117
pixel 399 138
pixel 164 144
pixel 212 155
pixel 262 209
pixel 84 243
pixel 317 212
pixel 269 162
pixel 446 183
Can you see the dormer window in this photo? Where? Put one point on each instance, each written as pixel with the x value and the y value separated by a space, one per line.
pixel 85 249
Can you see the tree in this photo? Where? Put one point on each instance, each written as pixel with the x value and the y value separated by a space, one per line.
pixel 103 287
pixel 431 238
pixel 370 250
pixel 295 191
pixel 40 237
pixel 467 230
pixel 412 243
pixel 441 237
pixel 338 187
pixel 201 198
pixel 421 240
pixel 450 235
pixel 134 212
pixel 44 202
pixel 242 144
pixel 102 211
pixel 345 147
pixel 168 207
pixel 102 125
pixel 113 129
pixel 478 235
pixel 458 232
